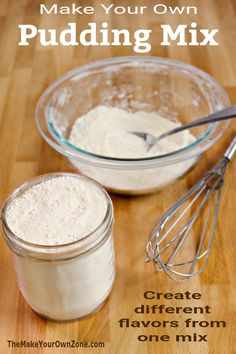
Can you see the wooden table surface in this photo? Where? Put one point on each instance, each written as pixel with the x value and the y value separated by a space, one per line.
pixel 24 73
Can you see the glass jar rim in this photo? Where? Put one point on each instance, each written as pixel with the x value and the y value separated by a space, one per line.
pixel 62 251
pixel 69 150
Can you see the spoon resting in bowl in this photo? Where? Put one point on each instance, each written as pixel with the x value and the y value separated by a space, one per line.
pixel 151 140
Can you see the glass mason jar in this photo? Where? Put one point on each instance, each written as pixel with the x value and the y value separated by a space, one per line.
pixel 69 281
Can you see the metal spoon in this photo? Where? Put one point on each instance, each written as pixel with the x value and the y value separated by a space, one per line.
pixel 223 114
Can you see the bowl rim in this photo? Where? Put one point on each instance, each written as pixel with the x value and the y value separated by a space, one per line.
pixel 63 146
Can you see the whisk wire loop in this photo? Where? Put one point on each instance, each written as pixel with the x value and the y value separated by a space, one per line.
pixel 201 203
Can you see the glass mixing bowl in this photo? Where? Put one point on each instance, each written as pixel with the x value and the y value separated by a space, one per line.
pixel 175 90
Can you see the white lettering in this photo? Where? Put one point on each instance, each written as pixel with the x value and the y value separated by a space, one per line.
pixel 107 9
pixel 43 9
pixel 177 9
pixel 104 33
pixel 183 35
pixel 120 10
pixel 126 37
pixel 192 9
pixel 169 33
pixel 52 37
pixel 141 44
pixel 209 37
pixel 160 9
pixel 91 34
pixel 89 10
pixel 27 32
pixel 180 33
pixel 193 33
pixel 136 10
pixel 71 33
pixel 65 10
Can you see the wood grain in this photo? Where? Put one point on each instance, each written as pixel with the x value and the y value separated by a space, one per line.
pixel 24 73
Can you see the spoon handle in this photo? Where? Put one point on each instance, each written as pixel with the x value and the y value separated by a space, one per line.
pixel 223 114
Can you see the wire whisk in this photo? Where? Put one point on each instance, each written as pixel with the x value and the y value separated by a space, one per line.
pixel 181 240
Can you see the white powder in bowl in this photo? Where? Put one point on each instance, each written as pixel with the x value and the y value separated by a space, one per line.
pixel 57 211
pixel 105 131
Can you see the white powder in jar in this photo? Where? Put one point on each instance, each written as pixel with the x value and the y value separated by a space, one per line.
pixel 104 130
pixel 55 212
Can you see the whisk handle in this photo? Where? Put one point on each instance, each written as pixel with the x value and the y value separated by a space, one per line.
pixel 229 153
